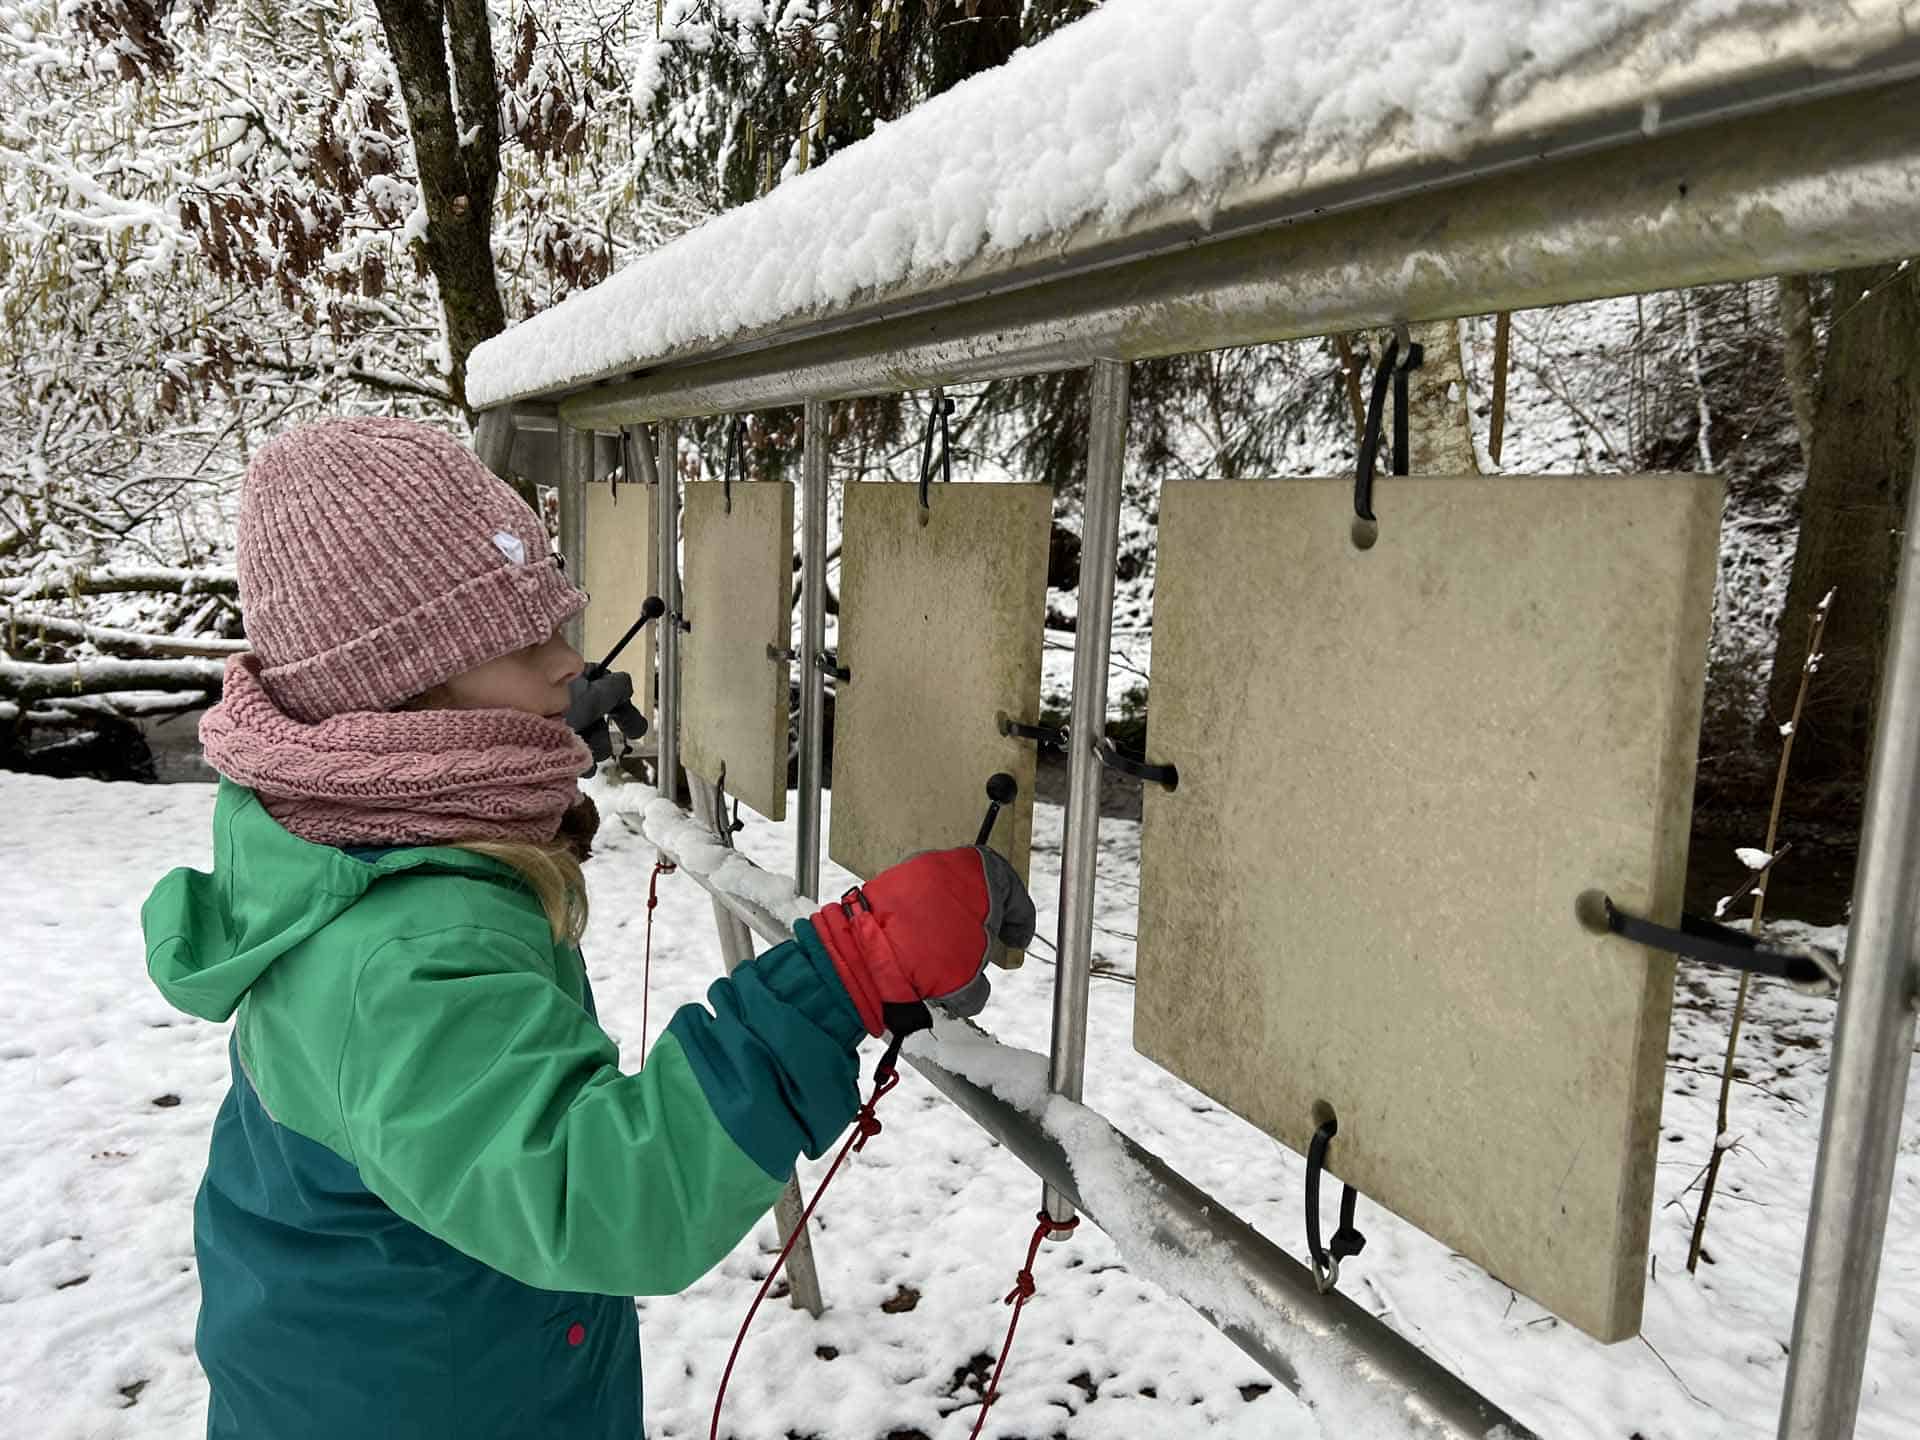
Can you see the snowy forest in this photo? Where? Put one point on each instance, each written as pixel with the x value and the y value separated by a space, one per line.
pixel 225 218
pixel 222 218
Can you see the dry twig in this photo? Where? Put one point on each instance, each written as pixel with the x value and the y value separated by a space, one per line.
pixel 1817 627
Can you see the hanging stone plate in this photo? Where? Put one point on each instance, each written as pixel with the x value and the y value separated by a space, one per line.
pixel 1398 769
pixel 738 599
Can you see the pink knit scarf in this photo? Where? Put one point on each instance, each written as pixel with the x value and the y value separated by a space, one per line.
pixel 394 777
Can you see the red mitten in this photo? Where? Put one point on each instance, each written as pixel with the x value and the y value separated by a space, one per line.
pixel 923 930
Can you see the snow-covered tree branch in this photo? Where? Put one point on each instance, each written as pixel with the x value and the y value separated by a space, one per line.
pixel 24 682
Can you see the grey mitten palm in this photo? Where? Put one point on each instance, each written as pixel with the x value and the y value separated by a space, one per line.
pixel 592 702
pixel 1010 925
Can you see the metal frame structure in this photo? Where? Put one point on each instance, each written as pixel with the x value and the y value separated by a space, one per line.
pixel 1816 171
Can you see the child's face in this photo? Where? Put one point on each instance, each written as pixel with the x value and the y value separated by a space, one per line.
pixel 533 679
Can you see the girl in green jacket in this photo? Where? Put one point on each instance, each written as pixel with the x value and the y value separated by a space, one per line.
pixel 431 1192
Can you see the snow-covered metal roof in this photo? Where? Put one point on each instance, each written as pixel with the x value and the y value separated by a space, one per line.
pixel 1150 126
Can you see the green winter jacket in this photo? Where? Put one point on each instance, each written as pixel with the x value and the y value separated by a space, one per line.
pixel 430 1170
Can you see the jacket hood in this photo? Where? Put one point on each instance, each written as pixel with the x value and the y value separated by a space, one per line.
pixel 211 935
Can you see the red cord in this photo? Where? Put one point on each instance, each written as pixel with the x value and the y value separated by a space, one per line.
pixel 1023 1288
pixel 661 867
pixel 866 1125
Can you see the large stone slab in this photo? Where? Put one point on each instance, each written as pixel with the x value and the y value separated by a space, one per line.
pixel 942 626
pixel 737 596
pixel 621 563
pixel 1398 768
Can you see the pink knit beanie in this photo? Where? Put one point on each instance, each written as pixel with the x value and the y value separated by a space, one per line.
pixel 379 558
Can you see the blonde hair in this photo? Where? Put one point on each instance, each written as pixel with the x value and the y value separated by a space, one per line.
pixel 552 872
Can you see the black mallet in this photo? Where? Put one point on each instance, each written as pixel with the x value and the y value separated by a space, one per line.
pixel 1001 788
pixel 653 609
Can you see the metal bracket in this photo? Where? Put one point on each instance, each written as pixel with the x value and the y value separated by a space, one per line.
pixel 781 656
pixel 1167 777
pixel 827 662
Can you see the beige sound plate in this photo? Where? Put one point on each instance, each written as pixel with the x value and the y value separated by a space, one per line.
pixel 621 564
pixel 1398 768
pixel 941 625
pixel 738 599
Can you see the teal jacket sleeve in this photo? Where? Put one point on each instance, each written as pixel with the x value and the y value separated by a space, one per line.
pixel 482 1103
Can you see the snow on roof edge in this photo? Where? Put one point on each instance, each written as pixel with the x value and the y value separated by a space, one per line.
pixel 1080 145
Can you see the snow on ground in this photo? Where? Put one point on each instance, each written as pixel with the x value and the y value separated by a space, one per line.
pixel 106 1097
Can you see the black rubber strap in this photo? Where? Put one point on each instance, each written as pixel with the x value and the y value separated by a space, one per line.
pixel 942 408
pixel 1370 439
pixel 1347 1240
pixel 1712 944
pixel 1394 367
pixel 1054 735
pixel 736 454
pixel 1167 777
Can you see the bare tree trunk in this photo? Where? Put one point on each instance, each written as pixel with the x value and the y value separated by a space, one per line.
pixel 457 180
pixel 1861 462
pixel 25 683
pixel 1795 302
pixel 1438 440
pixel 131 643
pixel 119 580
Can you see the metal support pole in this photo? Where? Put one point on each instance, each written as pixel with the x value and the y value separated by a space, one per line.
pixel 493 439
pixel 1872 1050
pixel 666 629
pixel 576 469
pixel 1092 640
pixel 736 947
pixel 736 940
pixel 641 469
pixel 813 639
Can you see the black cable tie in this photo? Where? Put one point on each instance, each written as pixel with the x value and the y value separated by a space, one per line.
pixel 1706 943
pixel 1347 1240
pixel 1167 777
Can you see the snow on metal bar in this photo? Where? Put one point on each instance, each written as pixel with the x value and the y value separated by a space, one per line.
pixel 1334 1356
pixel 694 847
pixel 1150 124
